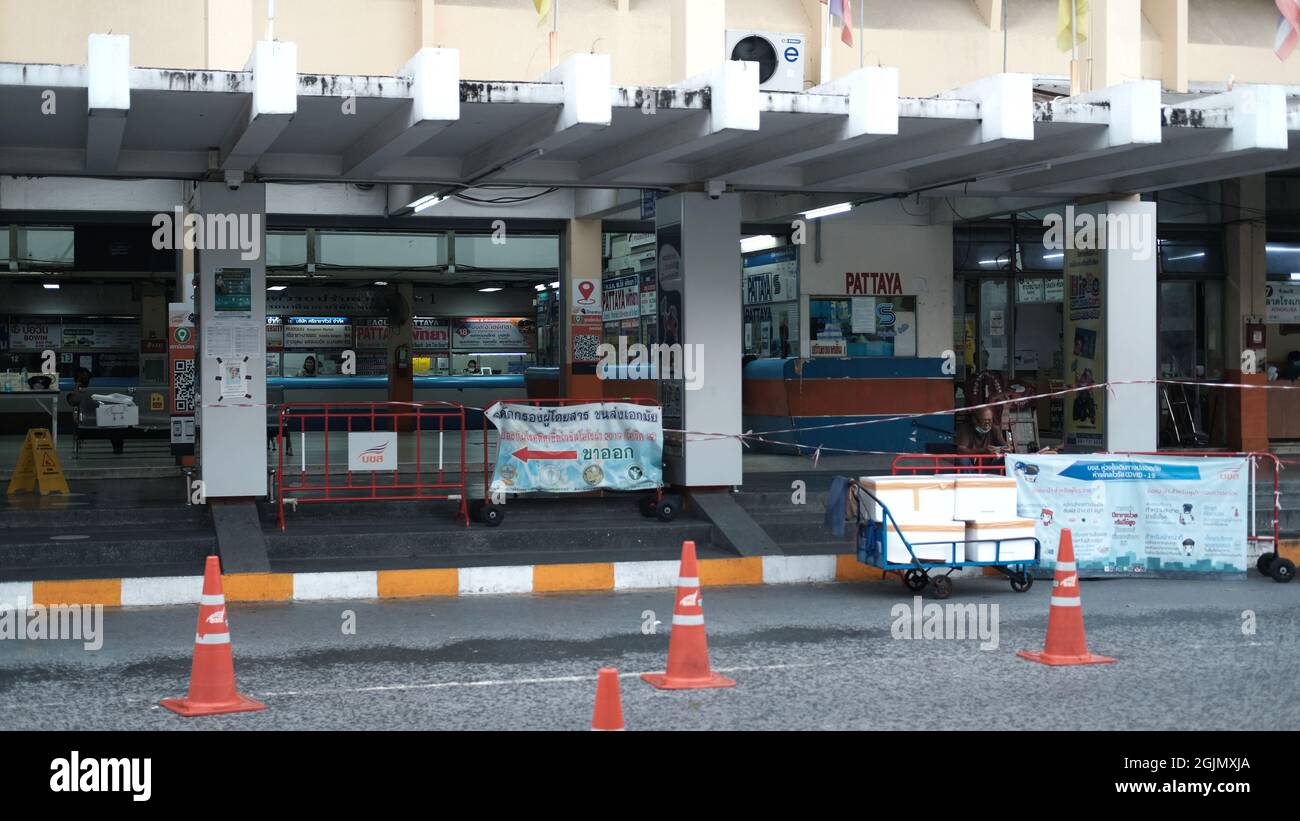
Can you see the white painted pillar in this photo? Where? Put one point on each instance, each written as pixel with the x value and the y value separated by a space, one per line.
pixel 233 427
pixel 699 306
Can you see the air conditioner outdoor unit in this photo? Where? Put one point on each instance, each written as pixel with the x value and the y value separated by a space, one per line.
pixel 779 56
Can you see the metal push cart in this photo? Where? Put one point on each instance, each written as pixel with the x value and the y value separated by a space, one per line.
pixel 872 541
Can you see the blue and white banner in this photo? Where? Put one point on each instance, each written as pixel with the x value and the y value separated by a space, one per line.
pixel 576 448
pixel 1161 516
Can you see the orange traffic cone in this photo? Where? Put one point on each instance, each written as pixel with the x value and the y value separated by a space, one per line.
pixel 1066 643
pixel 688 647
pixel 609 704
pixel 212 676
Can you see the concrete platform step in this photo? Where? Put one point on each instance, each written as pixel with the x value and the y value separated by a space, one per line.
pixel 29 550
pixel 352 541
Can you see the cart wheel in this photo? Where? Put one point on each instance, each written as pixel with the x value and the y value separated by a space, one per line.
pixel 646 504
pixel 1020 582
pixel 1264 562
pixel 942 587
pixel 491 515
pixel 916 580
pixel 665 510
pixel 1282 570
pixel 476 509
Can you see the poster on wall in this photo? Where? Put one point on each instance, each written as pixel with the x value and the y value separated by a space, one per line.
pixel 495 333
pixel 318 332
pixel 371 332
pixel 670 307
pixel 1159 516
pixel 430 334
pixel 579 448
pixel 274 333
pixel 181 351
pixel 585 296
pixel 1282 303
pixel 79 336
pixel 621 298
pixel 1085 355
pixel 33 334
pixel 649 292
pixel 232 291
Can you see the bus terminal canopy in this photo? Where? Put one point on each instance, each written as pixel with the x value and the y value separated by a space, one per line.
pixel 1001 139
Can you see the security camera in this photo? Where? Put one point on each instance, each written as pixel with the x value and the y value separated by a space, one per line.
pixel 716 188
pixel 234 179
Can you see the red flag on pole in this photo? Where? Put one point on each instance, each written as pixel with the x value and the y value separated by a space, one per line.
pixel 842 12
pixel 1288 28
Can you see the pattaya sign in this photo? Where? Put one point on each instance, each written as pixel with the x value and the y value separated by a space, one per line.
pixel 577 448
pixel 870 283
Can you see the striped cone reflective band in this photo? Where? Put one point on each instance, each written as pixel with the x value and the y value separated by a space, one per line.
pixel 212 675
pixel 608 714
pixel 688 646
pixel 1066 643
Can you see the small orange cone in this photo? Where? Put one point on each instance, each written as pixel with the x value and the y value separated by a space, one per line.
pixel 1066 642
pixel 609 704
pixel 212 676
pixel 688 647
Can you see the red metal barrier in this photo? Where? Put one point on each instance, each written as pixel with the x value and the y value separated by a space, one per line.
pixel 418 482
pixel 930 463
pixel 544 403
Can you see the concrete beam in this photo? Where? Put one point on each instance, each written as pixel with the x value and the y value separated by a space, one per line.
pixel 435 104
pixel 273 104
pixel 733 108
pixel 1006 104
pixel 108 99
pixel 872 108
pixel 586 108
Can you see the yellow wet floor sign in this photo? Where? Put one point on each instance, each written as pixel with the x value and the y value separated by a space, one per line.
pixel 38 466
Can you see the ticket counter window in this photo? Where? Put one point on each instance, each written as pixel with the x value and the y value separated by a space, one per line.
pixel 867 326
pixel 489 363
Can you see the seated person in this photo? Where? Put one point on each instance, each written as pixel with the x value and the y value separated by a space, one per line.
pixel 980 435
pixel 79 397
pixel 472 366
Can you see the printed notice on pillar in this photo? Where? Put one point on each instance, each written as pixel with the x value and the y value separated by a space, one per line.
pixel 577 448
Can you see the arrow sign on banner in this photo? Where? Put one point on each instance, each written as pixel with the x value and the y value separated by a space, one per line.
pixel 1130 472
pixel 524 454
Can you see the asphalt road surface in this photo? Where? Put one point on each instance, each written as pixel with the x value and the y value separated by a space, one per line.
pixel 805 657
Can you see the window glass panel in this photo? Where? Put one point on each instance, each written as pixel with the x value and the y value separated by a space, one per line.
pixel 286 250
pixel 867 326
pixel 356 250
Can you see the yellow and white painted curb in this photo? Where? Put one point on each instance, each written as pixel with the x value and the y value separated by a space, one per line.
pixel 465 581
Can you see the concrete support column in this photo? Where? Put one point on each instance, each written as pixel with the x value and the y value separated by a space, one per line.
pixel 232 331
pixel 1116 42
pixel 1129 313
pixel 1169 19
pixel 228 34
pixel 1243 298
pixel 698 36
pixel 401 380
pixel 1111 325
pixel 424 10
pixel 581 264
pixel 698 248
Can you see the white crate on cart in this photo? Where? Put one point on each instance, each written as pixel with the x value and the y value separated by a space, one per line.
pixel 984 498
pixel 919 532
pixel 982 540
pixel 911 498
